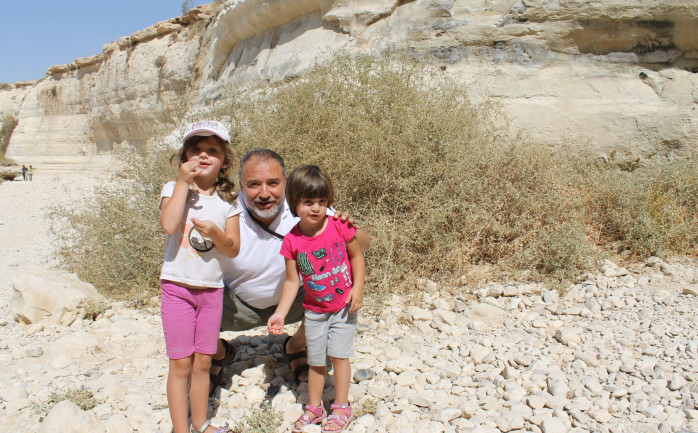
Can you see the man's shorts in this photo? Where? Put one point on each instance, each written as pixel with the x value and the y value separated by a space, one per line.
pixel 329 334
pixel 240 316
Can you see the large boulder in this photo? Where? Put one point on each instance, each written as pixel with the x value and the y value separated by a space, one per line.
pixel 57 299
pixel 67 417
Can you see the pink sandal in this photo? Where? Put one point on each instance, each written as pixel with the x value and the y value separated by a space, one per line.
pixel 319 412
pixel 341 420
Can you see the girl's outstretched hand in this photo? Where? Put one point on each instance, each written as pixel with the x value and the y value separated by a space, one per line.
pixel 356 298
pixel 275 324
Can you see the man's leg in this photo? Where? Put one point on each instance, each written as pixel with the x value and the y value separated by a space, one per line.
pixel 296 343
pixel 239 316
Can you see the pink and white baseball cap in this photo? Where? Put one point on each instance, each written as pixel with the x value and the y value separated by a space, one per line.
pixel 206 128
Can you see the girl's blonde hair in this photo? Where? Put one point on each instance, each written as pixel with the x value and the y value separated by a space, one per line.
pixel 224 184
pixel 308 181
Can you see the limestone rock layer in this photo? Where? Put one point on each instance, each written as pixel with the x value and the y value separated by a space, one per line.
pixel 610 75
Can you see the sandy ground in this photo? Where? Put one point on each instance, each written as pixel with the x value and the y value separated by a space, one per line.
pixel 24 223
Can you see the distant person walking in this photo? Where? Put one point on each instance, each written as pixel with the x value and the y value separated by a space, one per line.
pixel 30 172
pixel 24 172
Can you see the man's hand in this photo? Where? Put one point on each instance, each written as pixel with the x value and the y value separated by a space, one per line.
pixel 356 298
pixel 344 216
pixel 275 324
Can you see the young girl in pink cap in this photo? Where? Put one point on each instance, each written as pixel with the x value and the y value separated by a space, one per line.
pixel 199 214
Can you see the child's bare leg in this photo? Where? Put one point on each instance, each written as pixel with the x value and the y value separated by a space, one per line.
pixel 316 383
pixel 198 391
pixel 177 393
pixel 342 378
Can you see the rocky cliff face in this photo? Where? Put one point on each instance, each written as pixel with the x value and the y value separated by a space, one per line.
pixel 609 75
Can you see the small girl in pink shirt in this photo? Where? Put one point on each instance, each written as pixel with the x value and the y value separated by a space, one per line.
pixel 326 254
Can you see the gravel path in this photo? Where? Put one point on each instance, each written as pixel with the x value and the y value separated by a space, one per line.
pixel 617 353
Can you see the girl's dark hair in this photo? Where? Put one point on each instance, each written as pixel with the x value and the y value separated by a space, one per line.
pixel 308 181
pixel 224 184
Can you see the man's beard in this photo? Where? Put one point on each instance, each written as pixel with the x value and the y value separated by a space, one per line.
pixel 264 214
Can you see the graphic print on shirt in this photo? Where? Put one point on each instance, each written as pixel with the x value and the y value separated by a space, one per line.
pixel 304 264
pixel 319 254
pixel 325 274
pixel 316 287
pixel 337 254
pixel 327 298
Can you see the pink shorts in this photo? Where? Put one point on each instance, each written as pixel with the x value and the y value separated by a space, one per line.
pixel 191 319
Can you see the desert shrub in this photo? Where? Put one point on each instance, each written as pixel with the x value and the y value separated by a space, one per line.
pixel 652 210
pixel 8 173
pixel 437 180
pixel 82 397
pixel 262 419
pixel 113 240
pixel 7 127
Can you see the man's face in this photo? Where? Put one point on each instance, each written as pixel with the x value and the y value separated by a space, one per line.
pixel 263 183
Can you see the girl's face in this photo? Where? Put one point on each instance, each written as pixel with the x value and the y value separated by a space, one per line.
pixel 312 210
pixel 210 154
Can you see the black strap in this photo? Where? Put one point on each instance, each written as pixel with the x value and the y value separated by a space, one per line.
pixel 265 228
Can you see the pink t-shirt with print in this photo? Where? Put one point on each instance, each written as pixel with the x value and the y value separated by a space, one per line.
pixel 323 263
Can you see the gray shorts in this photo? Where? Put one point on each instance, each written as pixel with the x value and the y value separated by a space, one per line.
pixel 329 334
pixel 240 316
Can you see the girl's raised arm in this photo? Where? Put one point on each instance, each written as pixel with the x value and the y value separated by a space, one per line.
pixel 172 208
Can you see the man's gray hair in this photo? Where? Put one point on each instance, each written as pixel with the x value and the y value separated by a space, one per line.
pixel 263 155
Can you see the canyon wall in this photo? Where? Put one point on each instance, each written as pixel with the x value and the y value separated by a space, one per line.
pixel 618 77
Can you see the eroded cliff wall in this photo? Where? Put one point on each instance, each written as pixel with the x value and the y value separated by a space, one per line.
pixel 609 75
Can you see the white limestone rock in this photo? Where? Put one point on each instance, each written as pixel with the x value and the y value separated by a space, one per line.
pixel 67 417
pixel 59 299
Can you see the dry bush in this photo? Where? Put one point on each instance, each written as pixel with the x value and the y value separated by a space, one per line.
pixel 113 240
pixel 8 173
pixel 652 210
pixel 261 419
pixel 437 181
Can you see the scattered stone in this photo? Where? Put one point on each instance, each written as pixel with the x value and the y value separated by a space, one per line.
pixel 364 374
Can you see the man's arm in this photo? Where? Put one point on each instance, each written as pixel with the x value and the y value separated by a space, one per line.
pixel 362 238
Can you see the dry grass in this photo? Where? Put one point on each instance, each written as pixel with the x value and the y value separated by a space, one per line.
pixel 114 240
pixel 261 419
pixel 437 181
pixel 82 397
